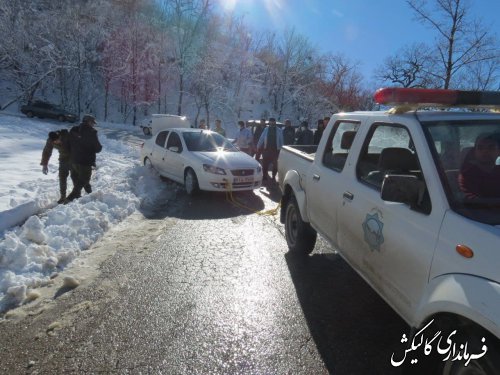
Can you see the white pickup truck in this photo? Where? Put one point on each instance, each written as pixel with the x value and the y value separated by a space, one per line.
pixel 410 198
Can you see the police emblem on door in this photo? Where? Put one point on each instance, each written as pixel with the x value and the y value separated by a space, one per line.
pixel 372 228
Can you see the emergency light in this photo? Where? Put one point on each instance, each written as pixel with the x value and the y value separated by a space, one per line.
pixel 436 97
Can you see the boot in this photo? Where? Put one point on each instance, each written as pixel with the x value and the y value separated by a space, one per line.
pixel 87 188
pixel 62 199
pixel 71 197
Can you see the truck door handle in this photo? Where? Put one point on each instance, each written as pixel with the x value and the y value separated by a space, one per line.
pixel 348 195
pixel 316 177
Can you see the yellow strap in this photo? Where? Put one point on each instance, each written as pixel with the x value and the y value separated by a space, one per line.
pixel 232 200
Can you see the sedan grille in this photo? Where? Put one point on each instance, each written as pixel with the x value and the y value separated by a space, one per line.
pixel 242 172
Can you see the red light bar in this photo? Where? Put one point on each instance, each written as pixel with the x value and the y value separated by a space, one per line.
pixel 440 97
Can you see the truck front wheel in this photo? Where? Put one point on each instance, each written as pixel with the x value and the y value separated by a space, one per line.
pixel 300 236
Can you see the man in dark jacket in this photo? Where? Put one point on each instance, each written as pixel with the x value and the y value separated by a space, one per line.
pixel 305 135
pixel 319 132
pixel 288 133
pixel 259 128
pixel 58 140
pixel 83 146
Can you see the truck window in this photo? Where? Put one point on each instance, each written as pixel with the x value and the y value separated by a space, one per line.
pixel 467 156
pixel 161 138
pixel 338 145
pixel 388 149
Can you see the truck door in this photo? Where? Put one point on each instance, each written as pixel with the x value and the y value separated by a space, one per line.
pixel 159 151
pixel 394 244
pixel 325 181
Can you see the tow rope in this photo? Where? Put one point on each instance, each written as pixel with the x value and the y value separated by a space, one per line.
pixel 231 199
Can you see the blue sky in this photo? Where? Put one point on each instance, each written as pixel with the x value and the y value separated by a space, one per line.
pixel 366 31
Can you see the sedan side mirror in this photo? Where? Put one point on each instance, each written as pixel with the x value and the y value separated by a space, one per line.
pixel 174 149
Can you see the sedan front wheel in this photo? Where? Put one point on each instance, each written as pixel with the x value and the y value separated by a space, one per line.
pixel 148 164
pixel 191 182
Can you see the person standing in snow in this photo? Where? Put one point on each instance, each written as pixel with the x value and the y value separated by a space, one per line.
pixel 271 141
pixel 319 132
pixel 58 140
pixel 288 133
pixel 244 139
pixel 83 146
pixel 218 128
pixel 259 128
pixel 305 135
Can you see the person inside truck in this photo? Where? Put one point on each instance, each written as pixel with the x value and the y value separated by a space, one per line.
pixel 480 175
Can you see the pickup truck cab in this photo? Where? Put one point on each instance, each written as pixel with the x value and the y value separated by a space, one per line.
pixel 411 200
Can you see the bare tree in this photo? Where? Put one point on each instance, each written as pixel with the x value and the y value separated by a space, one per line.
pixel 411 66
pixel 290 68
pixel 186 21
pixel 342 83
pixel 461 40
pixel 481 76
pixel 29 56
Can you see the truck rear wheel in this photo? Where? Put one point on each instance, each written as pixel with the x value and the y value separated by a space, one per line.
pixel 300 236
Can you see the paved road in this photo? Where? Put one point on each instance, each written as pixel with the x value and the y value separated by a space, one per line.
pixel 200 286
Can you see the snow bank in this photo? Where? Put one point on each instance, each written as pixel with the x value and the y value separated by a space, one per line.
pixel 52 235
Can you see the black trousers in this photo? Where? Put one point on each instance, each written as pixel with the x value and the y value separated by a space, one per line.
pixel 64 170
pixel 270 156
pixel 81 177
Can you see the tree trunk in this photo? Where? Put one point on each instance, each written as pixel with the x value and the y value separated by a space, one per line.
pixel 106 98
pixel 181 93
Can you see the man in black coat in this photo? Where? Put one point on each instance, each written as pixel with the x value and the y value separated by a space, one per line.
pixel 305 135
pixel 83 146
pixel 288 133
pixel 319 132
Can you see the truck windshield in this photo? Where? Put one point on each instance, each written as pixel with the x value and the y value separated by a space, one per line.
pixel 467 154
pixel 207 141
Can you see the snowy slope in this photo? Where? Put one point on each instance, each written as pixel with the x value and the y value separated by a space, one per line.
pixel 49 236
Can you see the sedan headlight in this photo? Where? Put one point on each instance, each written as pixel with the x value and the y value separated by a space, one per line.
pixel 211 169
pixel 259 169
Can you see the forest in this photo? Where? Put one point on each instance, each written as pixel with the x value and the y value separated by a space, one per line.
pixel 123 60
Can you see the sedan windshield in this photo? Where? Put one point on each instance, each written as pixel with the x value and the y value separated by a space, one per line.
pixel 207 141
pixel 467 153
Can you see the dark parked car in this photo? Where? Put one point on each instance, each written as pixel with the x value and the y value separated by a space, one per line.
pixel 44 109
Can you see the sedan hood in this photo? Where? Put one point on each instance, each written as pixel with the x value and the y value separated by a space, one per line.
pixel 227 160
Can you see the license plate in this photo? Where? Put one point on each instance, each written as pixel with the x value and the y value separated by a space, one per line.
pixel 243 179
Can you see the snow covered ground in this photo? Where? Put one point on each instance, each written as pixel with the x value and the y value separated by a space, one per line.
pixel 38 237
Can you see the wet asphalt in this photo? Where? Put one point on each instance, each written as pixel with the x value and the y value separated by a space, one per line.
pixel 203 286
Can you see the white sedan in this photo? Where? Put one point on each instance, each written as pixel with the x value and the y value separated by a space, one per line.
pixel 201 160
